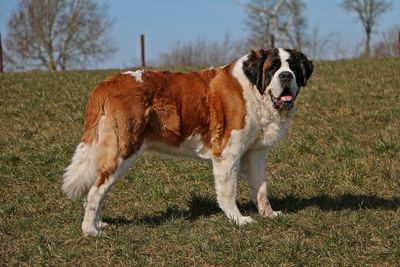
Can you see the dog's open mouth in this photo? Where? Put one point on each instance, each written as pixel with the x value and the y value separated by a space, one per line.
pixel 284 101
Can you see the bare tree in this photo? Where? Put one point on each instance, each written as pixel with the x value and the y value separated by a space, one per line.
pixel 316 45
pixel 388 45
pixel 57 34
pixel 259 22
pixel 368 12
pixel 283 18
pixel 297 24
pixel 340 48
pixel 201 53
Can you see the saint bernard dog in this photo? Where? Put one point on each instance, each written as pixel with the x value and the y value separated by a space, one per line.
pixel 230 115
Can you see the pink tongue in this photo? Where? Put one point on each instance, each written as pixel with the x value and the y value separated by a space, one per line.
pixel 286 98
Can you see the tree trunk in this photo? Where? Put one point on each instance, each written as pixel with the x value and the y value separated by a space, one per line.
pixel 368 44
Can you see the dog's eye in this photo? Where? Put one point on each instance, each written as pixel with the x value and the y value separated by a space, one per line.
pixel 273 67
pixel 292 65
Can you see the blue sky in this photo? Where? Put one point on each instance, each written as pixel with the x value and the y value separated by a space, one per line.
pixel 166 21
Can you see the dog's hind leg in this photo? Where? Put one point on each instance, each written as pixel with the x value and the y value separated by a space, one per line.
pixel 225 175
pixel 92 223
pixel 112 163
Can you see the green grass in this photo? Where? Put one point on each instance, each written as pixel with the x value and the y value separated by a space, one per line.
pixel 336 176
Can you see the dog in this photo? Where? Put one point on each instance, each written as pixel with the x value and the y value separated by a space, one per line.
pixel 230 115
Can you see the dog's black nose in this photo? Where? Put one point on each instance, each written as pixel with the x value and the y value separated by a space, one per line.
pixel 286 76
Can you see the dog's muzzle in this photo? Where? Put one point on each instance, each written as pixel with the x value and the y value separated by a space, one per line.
pixel 284 101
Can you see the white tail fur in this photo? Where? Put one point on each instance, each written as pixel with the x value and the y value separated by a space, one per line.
pixel 80 175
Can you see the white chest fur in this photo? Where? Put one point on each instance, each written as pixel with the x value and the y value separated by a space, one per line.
pixel 264 124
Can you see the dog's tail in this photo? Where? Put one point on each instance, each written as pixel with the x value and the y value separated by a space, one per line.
pixel 81 174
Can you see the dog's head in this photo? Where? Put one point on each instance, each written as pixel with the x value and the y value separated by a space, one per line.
pixel 280 73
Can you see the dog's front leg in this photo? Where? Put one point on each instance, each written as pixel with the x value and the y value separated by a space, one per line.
pixel 225 176
pixel 254 170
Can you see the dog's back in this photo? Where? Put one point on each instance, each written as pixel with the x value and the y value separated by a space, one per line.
pixel 131 108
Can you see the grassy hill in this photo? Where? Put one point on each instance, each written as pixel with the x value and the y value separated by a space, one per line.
pixel 336 176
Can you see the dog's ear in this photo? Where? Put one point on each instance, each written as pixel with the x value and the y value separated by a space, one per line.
pixel 307 68
pixel 304 66
pixel 253 68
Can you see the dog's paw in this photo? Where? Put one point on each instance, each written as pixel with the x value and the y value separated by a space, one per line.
pixel 90 230
pixel 244 220
pixel 276 214
pixel 101 225
pixel 271 213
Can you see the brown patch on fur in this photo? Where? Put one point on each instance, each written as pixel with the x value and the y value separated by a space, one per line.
pixel 101 179
pixel 115 122
pixel 120 102
pixel 179 107
pixel 167 107
pixel 227 109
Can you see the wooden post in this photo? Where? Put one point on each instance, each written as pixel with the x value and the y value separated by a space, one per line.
pixel 1 55
pixel 398 44
pixel 271 41
pixel 142 50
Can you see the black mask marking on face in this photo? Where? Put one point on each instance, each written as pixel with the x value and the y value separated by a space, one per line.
pixel 253 67
pixel 301 66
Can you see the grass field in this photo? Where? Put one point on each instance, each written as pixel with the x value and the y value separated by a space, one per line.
pixel 336 176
